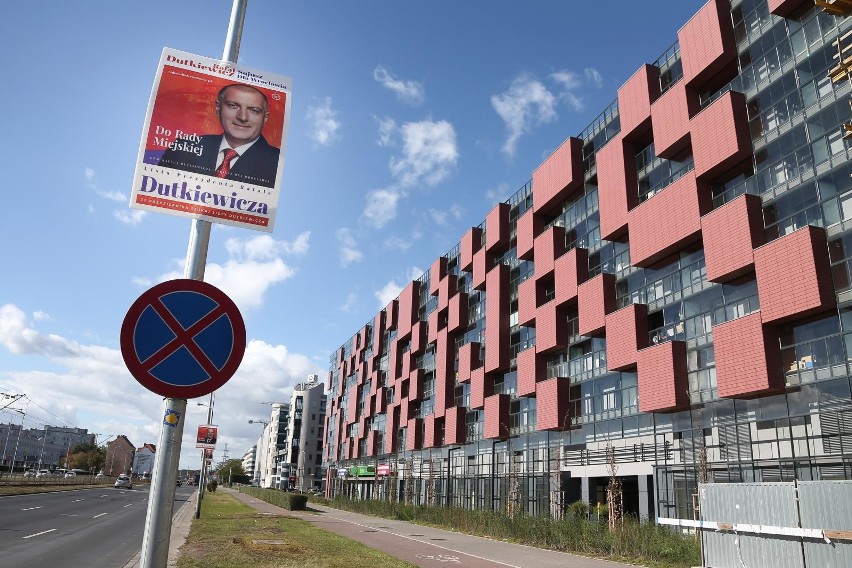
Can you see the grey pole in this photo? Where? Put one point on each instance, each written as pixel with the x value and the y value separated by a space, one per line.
pixel 202 474
pixel 158 521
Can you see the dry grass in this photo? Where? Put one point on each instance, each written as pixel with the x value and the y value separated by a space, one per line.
pixel 230 534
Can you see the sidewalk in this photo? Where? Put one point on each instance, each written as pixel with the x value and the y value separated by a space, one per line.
pixel 425 546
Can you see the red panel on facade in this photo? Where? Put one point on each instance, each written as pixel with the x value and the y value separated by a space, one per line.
pixel 794 276
pixel 372 443
pixel 352 408
pixel 707 44
pixel 670 116
pixel 748 359
pixel 433 326
pixel 454 426
pixel 380 404
pixel 391 427
pixel 405 365
pixel 471 242
pixel 662 378
pixel 789 8
pixel 527 228
pixel 731 233
pixel 571 269
pixel 378 334
pixel 720 136
pixel 595 299
pixel 480 384
pixel 429 433
pixel 390 314
pixel 617 187
pixel 496 417
pixel 482 261
pixel 634 101
pixel 652 240
pixel 531 370
pixel 437 273
pixel 414 434
pixel 394 361
pixel 415 384
pixel 418 338
pixel 548 246
pixel 497 319
pixel 468 360
pixel 552 406
pixel 446 290
pixel 558 176
pixel 527 302
pixel 445 379
pixel 408 308
pixel 405 410
pixel 497 229
pixel 626 334
pixel 551 327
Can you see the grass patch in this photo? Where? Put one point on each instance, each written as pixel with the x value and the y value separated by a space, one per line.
pixel 230 534
pixel 637 543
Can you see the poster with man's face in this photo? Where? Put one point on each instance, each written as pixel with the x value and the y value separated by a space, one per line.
pixel 213 142
pixel 207 435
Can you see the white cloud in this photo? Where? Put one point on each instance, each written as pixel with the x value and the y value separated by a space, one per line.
pixel 527 103
pixel 349 304
pixel 253 267
pixel 392 289
pixel 130 217
pixel 323 122
pixel 89 174
pixel 438 217
pixel 387 129
pixel 410 92
pixel 349 252
pixel 593 76
pixel 568 79
pixel 387 293
pixel 93 380
pixel 41 316
pixel 429 153
pixel 397 243
pixel 381 207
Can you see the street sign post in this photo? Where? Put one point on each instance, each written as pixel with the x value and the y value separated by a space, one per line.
pixel 181 339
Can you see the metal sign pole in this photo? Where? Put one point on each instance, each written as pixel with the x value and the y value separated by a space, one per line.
pixel 158 521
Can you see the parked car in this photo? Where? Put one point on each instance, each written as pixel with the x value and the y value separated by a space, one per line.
pixel 179 482
pixel 124 482
pixel 70 475
pixel 30 473
pixel 100 475
pixel 43 473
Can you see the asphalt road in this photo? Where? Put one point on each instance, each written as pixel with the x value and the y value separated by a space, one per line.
pixel 95 528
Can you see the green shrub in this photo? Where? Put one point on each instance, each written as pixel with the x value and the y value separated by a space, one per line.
pixel 298 502
pixel 212 485
pixel 578 510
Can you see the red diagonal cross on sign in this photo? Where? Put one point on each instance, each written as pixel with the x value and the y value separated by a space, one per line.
pixel 184 338
pixel 216 342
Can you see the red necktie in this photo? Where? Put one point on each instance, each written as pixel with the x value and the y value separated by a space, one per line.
pixel 225 167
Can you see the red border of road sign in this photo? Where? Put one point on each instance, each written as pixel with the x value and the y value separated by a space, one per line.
pixel 218 378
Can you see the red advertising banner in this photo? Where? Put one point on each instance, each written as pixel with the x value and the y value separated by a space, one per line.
pixel 213 142
pixel 206 438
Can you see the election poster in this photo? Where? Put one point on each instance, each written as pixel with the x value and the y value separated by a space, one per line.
pixel 207 435
pixel 213 142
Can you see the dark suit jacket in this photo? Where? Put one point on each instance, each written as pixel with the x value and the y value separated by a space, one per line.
pixel 258 165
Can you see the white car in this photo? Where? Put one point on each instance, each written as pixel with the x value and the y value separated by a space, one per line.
pixel 43 473
pixel 70 474
pixel 124 482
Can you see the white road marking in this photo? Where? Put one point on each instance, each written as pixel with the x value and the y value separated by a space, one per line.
pixel 31 508
pixel 76 500
pixel 128 505
pixel 37 534
pixel 101 515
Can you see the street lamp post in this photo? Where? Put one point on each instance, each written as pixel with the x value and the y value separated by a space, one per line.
pixel 43 442
pixel 260 449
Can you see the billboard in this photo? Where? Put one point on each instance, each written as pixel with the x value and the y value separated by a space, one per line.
pixel 213 142
pixel 206 437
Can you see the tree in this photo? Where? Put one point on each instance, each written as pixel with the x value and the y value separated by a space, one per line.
pixel 231 471
pixel 86 456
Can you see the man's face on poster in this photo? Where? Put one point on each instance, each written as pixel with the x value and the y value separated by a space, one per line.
pixel 242 112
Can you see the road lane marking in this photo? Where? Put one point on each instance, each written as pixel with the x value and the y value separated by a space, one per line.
pixel 128 505
pixel 101 515
pixel 31 508
pixel 40 533
pixel 76 500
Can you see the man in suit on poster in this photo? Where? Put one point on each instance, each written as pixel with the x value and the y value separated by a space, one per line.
pixel 240 153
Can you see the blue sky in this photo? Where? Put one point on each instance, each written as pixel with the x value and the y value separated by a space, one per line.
pixel 409 121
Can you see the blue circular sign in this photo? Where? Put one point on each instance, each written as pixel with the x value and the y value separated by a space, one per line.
pixel 183 338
